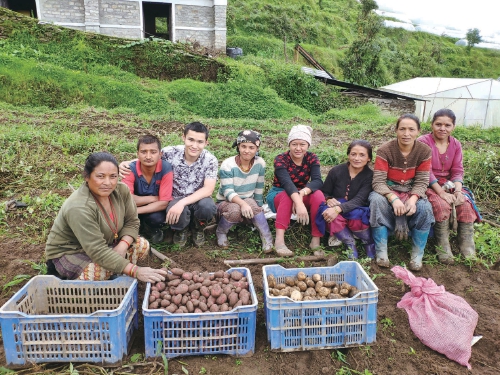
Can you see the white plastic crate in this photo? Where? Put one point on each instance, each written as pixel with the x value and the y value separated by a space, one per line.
pixel 53 320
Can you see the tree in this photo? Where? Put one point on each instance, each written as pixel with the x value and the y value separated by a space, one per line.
pixel 473 37
pixel 362 64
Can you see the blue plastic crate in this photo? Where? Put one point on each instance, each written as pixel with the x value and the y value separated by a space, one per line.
pixel 324 324
pixel 53 320
pixel 231 332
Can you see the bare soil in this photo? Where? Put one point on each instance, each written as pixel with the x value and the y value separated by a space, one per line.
pixel 396 351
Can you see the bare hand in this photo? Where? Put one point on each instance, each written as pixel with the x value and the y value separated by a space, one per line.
pixel 124 168
pixel 448 198
pixel 398 207
pixel 332 202
pixel 246 210
pixel 121 248
pixel 330 214
pixel 174 213
pixel 302 214
pixel 460 198
pixel 410 207
pixel 150 275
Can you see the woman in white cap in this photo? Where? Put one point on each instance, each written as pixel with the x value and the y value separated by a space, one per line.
pixel 240 195
pixel 296 188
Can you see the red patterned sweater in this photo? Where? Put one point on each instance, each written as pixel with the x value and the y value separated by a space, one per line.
pixel 393 171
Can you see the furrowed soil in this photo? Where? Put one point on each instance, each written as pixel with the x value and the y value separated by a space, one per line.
pixel 396 351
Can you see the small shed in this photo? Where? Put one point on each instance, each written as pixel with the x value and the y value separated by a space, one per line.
pixel 474 101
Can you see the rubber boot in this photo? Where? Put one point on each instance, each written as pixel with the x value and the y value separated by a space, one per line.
pixel 366 237
pixel 380 235
pixel 442 235
pixel 466 243
pixel 221 232
pixel 345 235
pixel 419 239
pixel 198 234
pixel 260 222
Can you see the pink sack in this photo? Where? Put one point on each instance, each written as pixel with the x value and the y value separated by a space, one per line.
pixel 441 320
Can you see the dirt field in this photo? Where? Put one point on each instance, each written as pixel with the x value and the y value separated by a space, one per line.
pixel 396 351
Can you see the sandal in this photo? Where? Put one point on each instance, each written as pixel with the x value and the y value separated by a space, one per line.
pixel 283 251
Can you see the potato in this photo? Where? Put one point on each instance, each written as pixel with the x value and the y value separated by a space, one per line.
pixel 203 306
pixel 203 299
pixel 346 286
pixel 307 298
pixel 311 292
pixel 237 290
pixel 301 276
pixel 296 295
pixel 210 301
pixel 154 287
pixel 214 308
pixel 319 285
pixel 238 304
pixel 204 291
pixel 310 283
pixel 161 286
pixel 179 311
pixel 194 287
pixel 289 281
pixel 271 281
pixel 172 308
pixel 224 307
pixel 219 274
pixel 177 299
pixel 184 300
pixel 171 277
pixel 245 299
pixel 344 292
pixel 353 291
pixel 164 303
pixel 274 292
pixel 174 282
pixel 221 299
pixel 335 290
pixel 302 286
pixel 183 309
pixel 195 294
pixel 329 284
pixel 187 276
pixel 285 292
pixel 206 282
pixel 227 290
pixel 190 306
pixel 216 290
pixel 177 271
pixel 316 277
pixel 280 286
pixel 198 311
pixel 181 289
pixel 233 298
pixel 155 294
pixel 323 292
pixel 153 305
pixel 236 275
pixel 152 298
pixel 195 302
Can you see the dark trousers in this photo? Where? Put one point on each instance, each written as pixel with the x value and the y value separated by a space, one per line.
pixel 203 211
pixel 154 220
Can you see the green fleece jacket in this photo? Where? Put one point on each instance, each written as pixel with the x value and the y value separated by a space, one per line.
pixel 81 227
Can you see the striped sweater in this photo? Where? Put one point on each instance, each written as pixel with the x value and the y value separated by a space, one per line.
pixel 235 182
pixel 393 171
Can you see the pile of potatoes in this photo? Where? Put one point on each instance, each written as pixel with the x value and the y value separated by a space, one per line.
pixel 194 292
pixel 304 288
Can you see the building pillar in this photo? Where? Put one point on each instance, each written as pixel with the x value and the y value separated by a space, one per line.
pixel 220 30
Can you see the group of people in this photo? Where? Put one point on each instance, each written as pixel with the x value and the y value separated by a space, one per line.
pixel 413 185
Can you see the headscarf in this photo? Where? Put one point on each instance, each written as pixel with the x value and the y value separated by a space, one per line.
pixel 247 136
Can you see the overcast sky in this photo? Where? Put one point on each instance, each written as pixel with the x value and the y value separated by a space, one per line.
pixel 452 14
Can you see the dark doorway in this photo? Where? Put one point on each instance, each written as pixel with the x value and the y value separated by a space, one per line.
pixel 26 7
pixel 157 19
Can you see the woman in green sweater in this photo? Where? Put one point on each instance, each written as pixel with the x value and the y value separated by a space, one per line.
pixel 95 234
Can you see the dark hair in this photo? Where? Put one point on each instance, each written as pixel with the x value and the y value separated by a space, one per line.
pixel 362 143
pixel 410 116
pixel 147 140
pixel 197 127
pixel 93 160
pixel 444 112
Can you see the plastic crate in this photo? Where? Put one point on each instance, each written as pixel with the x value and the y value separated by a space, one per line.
pixel 53 320
pixel 324 324
pixel 231 332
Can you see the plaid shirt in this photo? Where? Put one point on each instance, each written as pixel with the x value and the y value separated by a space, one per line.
pixel 189 178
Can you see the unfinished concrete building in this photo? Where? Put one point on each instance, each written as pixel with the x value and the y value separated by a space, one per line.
pixel 203 21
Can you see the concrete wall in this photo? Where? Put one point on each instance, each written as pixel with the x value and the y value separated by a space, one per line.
pixel 203 21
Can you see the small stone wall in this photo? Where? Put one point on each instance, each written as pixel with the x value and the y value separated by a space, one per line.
pixel 72 11
pixel 115 12
pixel 194 16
